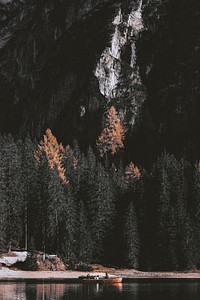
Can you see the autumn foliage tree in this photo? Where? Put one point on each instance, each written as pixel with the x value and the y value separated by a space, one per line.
pixel 54 153
pixel 112 136
pixel 131 172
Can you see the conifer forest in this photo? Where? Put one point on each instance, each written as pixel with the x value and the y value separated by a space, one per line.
pixel 99 131
pixel 86 208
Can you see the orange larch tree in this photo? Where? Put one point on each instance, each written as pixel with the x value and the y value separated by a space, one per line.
pixel 132 172
pixel 54 153
pixel 112 136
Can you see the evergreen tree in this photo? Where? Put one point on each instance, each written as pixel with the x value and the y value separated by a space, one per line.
pixel 86 178
pixel 174 228
pixel 40 207
pixel 68 228
pixel 166 257
pixel 30 187
pixel 11 162
pixel 185 238
pixel 71 165
pixel 101 210
pixel 55 206
pixel 85 244
pixel 194 193
pixel 131 238
pixel 118 179
pixel 3 206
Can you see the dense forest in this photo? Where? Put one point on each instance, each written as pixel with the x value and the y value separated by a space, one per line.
pixel 89 207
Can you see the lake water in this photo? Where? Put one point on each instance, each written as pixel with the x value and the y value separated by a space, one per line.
pixel 126 291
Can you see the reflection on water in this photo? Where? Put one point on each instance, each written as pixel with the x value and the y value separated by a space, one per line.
pixel 45 291
pixel 136 291
pixel 15 290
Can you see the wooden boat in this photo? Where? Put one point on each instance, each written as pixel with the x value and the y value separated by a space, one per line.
pixel 99 279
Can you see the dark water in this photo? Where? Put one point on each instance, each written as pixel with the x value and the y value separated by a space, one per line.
pixel 133 291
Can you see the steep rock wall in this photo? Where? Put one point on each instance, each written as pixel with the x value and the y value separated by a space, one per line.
pixel 63 63
pixel 48 49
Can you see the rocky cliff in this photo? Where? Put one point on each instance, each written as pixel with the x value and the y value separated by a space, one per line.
pixel 63 63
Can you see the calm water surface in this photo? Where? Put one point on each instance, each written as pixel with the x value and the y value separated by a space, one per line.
pixel 134 291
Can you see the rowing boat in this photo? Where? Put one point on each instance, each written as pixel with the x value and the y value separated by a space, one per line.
pixel 99 279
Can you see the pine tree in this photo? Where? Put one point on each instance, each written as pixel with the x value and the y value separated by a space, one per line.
pixel 3 205
pixel 86 177
pixel 68 228
pixel 166 257
pixel 131 238
pixel 101 210
pixel 185 238
pixel 55 207
pixel 30 187
pixel 92 165
pixel 194 193
pixel 39 208
pixel 174 228
pixel 112 136
pixel 118 179
pixel 71 165
pixel 85 244
pixel 11 161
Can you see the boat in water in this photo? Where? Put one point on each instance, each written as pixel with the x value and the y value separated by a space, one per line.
pixel 100 279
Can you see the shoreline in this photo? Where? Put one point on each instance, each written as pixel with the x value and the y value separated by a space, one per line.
pixel 72 276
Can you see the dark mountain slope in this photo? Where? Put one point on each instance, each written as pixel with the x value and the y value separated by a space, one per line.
pixel 49 51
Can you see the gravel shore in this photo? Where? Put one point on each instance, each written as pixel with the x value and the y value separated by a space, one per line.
pixel 7 274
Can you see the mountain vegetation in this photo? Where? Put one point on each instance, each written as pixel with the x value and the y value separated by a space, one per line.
pixel 86 208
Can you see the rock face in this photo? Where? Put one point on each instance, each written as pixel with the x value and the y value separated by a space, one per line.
pixel 63 63
pixel 168 56
pixel 48 50
pixel 118 78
